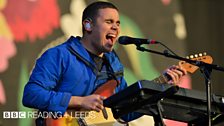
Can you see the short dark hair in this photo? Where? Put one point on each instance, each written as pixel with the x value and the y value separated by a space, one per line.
pixel 91 10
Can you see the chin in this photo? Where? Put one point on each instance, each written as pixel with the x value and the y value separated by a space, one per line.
pixel 108 50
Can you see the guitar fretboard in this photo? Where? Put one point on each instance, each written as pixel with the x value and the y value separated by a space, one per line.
pixel 161 79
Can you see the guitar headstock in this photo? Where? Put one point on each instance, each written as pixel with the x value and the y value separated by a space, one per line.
pixel 199 57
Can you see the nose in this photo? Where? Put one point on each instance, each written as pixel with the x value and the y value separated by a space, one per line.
pixel 115 26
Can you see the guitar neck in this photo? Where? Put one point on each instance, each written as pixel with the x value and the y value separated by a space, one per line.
pixel 189 67
pixel 161 79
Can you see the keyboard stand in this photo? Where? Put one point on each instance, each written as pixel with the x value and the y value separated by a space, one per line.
pixel 156 109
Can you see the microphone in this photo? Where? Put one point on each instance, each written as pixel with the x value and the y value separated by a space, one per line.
pixel 125 40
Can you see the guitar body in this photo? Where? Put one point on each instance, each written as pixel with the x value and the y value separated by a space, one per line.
pixel 64 121
pixel 92 119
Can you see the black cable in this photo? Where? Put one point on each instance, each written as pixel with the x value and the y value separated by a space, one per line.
pixel 167 48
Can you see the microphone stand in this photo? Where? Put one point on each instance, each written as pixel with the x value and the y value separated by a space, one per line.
pixel 205 68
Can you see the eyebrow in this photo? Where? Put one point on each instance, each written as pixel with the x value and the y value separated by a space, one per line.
pixel 112 20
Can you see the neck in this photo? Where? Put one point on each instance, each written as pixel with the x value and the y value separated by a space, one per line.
pixel 86 42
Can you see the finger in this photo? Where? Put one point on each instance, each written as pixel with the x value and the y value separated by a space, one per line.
pixel 99 99
pixel 173 75
pixel 95 108
pixel 102 97
pixel 183 70
pixel 173 67
pixel 98 107
pixel 178 73
pixel 180 68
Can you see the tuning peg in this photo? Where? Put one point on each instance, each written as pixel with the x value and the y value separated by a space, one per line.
pixel 204 53
pixel 187 57
pixel 195 55
pixel 200 54
pixel 191 56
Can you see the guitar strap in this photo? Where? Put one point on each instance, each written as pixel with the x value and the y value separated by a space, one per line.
pixel 99 75
pixel 83 60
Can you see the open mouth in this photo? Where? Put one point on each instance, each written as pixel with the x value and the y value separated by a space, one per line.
pixel 111 37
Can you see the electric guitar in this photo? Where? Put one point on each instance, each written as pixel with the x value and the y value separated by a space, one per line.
pixel 93 118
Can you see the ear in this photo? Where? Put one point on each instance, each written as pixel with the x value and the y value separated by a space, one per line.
pixel 87 25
